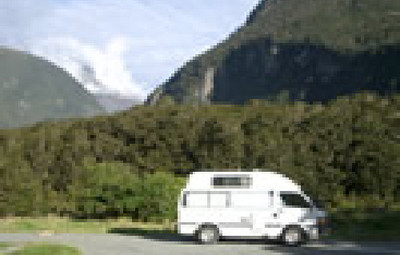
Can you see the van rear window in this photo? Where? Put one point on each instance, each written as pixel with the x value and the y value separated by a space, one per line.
pixel 231 182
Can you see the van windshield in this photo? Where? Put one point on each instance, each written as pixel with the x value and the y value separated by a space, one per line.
pixel 294 200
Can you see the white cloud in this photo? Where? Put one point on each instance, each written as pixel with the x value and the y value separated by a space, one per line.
pixel 100 70
pixel 132 45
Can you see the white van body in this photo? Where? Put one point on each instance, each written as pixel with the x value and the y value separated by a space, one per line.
pixel 245 204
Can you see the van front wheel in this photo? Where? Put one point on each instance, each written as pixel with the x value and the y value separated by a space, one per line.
pixel 207 235
pixel 293 236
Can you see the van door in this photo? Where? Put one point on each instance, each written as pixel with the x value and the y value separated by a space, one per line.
pixel 289 208
pixel 262 211
pixel 293 208
pixel 251 210
pixel 238 220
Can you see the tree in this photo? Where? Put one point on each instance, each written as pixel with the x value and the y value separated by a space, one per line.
pixel 104 190
pixel 159 195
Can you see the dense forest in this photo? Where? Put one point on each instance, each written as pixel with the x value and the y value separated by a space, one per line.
pixel 134 163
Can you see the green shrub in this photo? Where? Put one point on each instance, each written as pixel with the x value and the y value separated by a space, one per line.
pixel 47 249
pixel 159 196
pixel 105 190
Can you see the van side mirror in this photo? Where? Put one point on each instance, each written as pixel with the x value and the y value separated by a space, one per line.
pixel 319 204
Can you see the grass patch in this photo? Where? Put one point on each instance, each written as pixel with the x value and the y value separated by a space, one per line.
pixel 4 245
pixel 47 249
pixel 366 226
pixel 67 225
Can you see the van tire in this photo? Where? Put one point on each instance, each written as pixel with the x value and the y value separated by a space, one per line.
pixel 293 236
pixel 207 234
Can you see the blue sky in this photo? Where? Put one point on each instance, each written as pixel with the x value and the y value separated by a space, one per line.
pixel 131 45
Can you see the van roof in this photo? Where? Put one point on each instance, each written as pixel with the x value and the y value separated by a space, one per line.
pixel 261 180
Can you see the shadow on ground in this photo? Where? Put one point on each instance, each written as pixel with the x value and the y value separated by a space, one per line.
pixel 339 247
pixel 314 251
pixel 170 236
pixel 319 251
pixel 157 235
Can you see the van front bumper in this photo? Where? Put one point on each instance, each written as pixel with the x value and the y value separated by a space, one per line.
pixel 313 232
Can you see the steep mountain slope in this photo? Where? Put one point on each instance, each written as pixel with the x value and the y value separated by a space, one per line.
pixel 32 90
pixel 312 50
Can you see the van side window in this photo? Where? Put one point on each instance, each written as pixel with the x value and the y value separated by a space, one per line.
pixel 231 182
pixel 197 199
pixel 218 199
pixel 294 200
pixel 184 199
pixel 206 199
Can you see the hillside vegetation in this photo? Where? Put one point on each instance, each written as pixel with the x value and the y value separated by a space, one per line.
pixel 344 153
pixel 312 50
pixel 32 90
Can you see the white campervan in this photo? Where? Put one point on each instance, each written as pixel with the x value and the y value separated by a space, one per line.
pixel 246 204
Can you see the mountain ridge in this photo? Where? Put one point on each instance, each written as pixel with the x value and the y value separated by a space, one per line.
pixel 33 89
pixel 347 27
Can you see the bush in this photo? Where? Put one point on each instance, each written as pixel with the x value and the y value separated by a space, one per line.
pixel 106 190
pixel 159 196
pixel 113 189
pixel 21 192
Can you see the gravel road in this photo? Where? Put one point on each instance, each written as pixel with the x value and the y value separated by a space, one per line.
pixel 170 244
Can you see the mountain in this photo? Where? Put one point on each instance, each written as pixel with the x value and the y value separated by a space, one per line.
pixel 110 101
pixel 116 102
pixel 32 90
pixel 311 50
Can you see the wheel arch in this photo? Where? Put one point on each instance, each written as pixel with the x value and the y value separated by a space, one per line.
pixel 205 226
pixel 304 235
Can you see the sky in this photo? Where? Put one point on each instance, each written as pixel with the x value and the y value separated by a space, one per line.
pixel 127 47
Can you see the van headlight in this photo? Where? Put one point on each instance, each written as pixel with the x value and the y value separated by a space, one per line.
pixel 306 218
